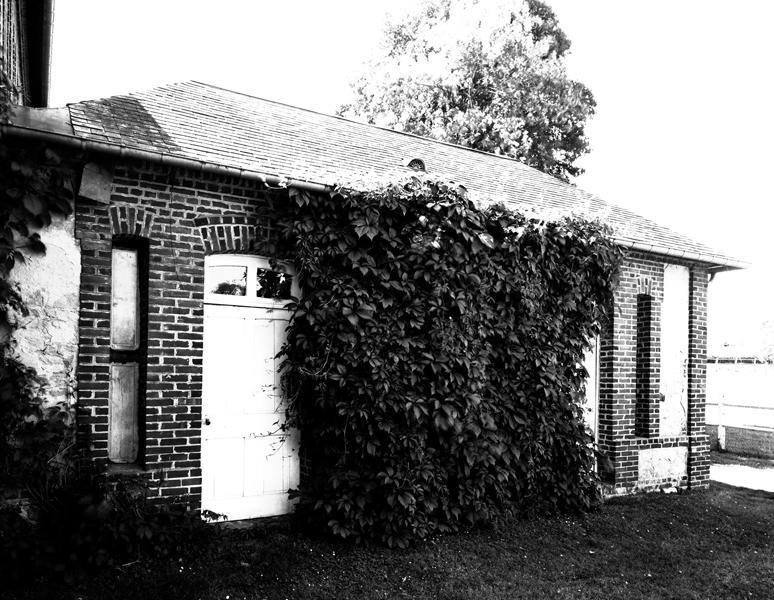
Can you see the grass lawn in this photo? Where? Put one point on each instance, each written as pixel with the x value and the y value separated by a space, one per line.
pixel 708 544
pixel 727 458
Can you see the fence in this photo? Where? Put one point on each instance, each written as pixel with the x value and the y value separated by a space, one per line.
pixel 740 405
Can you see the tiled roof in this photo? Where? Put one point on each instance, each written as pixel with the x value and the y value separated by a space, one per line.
pixel 204 123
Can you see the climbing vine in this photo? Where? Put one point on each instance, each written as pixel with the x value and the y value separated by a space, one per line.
pixel 434 360
pixel 82 520
pixel 35 186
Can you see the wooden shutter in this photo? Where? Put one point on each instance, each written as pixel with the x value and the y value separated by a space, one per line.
pixel 125 304
pixel 123 431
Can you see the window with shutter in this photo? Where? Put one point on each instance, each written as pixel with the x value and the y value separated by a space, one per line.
pixel 123 431
pixel 128 354
pixel 125 301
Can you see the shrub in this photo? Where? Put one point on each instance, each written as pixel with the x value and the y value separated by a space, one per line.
pixel 93 523
pixel 434 360
pixel 75 520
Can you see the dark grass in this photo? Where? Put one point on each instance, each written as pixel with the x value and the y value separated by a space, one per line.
pixel 706 544
pixel 727 458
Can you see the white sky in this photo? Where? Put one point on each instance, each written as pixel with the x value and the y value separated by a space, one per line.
pixel 684 126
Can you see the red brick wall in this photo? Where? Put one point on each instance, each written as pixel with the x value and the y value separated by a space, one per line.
pixel 185 215
pixel 174 210
pixel 644 274
pixel 743 440
pixel 698 448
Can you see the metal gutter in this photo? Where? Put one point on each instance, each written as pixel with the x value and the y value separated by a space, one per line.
pixel 721 263
pixel 37 22
pixel 163 158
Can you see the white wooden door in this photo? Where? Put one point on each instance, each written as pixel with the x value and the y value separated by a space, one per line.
pixel 249 462
pixel 673 412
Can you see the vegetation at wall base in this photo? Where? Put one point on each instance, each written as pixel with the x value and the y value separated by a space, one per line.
pixel 715 543
pixel 58 516
pixel 35 186
pixel 434 361
pixel 92 523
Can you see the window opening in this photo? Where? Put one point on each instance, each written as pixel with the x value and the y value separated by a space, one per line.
pixel 249 280
pixel 646 415
pixel 229 280
pixel 273 284
pixel 128 349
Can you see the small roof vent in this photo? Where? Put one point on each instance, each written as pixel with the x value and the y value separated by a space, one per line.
pixel 417 164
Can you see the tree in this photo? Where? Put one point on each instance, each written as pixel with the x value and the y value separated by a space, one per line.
pixel 489 75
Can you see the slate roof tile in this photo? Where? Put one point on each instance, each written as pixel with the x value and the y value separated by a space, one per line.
pixel 206 123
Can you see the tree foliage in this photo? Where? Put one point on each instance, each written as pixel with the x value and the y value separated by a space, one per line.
pixel 434 360
pixel 487 75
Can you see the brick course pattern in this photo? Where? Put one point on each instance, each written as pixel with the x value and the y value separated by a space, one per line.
pixel 744 440
pixel 186 215
pixel 698 447
pixel 172 210
pixel 620 378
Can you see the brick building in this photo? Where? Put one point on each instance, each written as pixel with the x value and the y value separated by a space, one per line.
pixel 178 312
pixel 25 45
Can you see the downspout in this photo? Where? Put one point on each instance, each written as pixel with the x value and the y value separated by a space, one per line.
pixel 163 158
pixel 46 49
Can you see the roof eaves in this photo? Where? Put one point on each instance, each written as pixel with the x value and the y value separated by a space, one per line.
pixel 58 137
pixel 49 125
pixel 718 263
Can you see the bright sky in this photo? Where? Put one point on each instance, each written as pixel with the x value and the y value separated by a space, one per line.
pixel 684 126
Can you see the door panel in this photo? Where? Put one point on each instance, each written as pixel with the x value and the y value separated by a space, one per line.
pixel 673 413
pixel 248 462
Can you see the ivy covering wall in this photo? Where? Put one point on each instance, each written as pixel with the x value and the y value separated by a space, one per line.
pixel 434 361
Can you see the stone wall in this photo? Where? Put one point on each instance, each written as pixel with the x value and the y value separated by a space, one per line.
pixel 47 339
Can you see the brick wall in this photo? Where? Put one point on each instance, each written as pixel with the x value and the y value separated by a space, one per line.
pixel 628 427
pixel 186 215
pixel 698 449
pixel 743 440
pixel 183 215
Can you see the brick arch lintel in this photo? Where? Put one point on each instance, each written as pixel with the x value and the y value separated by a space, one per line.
pixel 227 233
pixel 645 286
pixel 131 220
